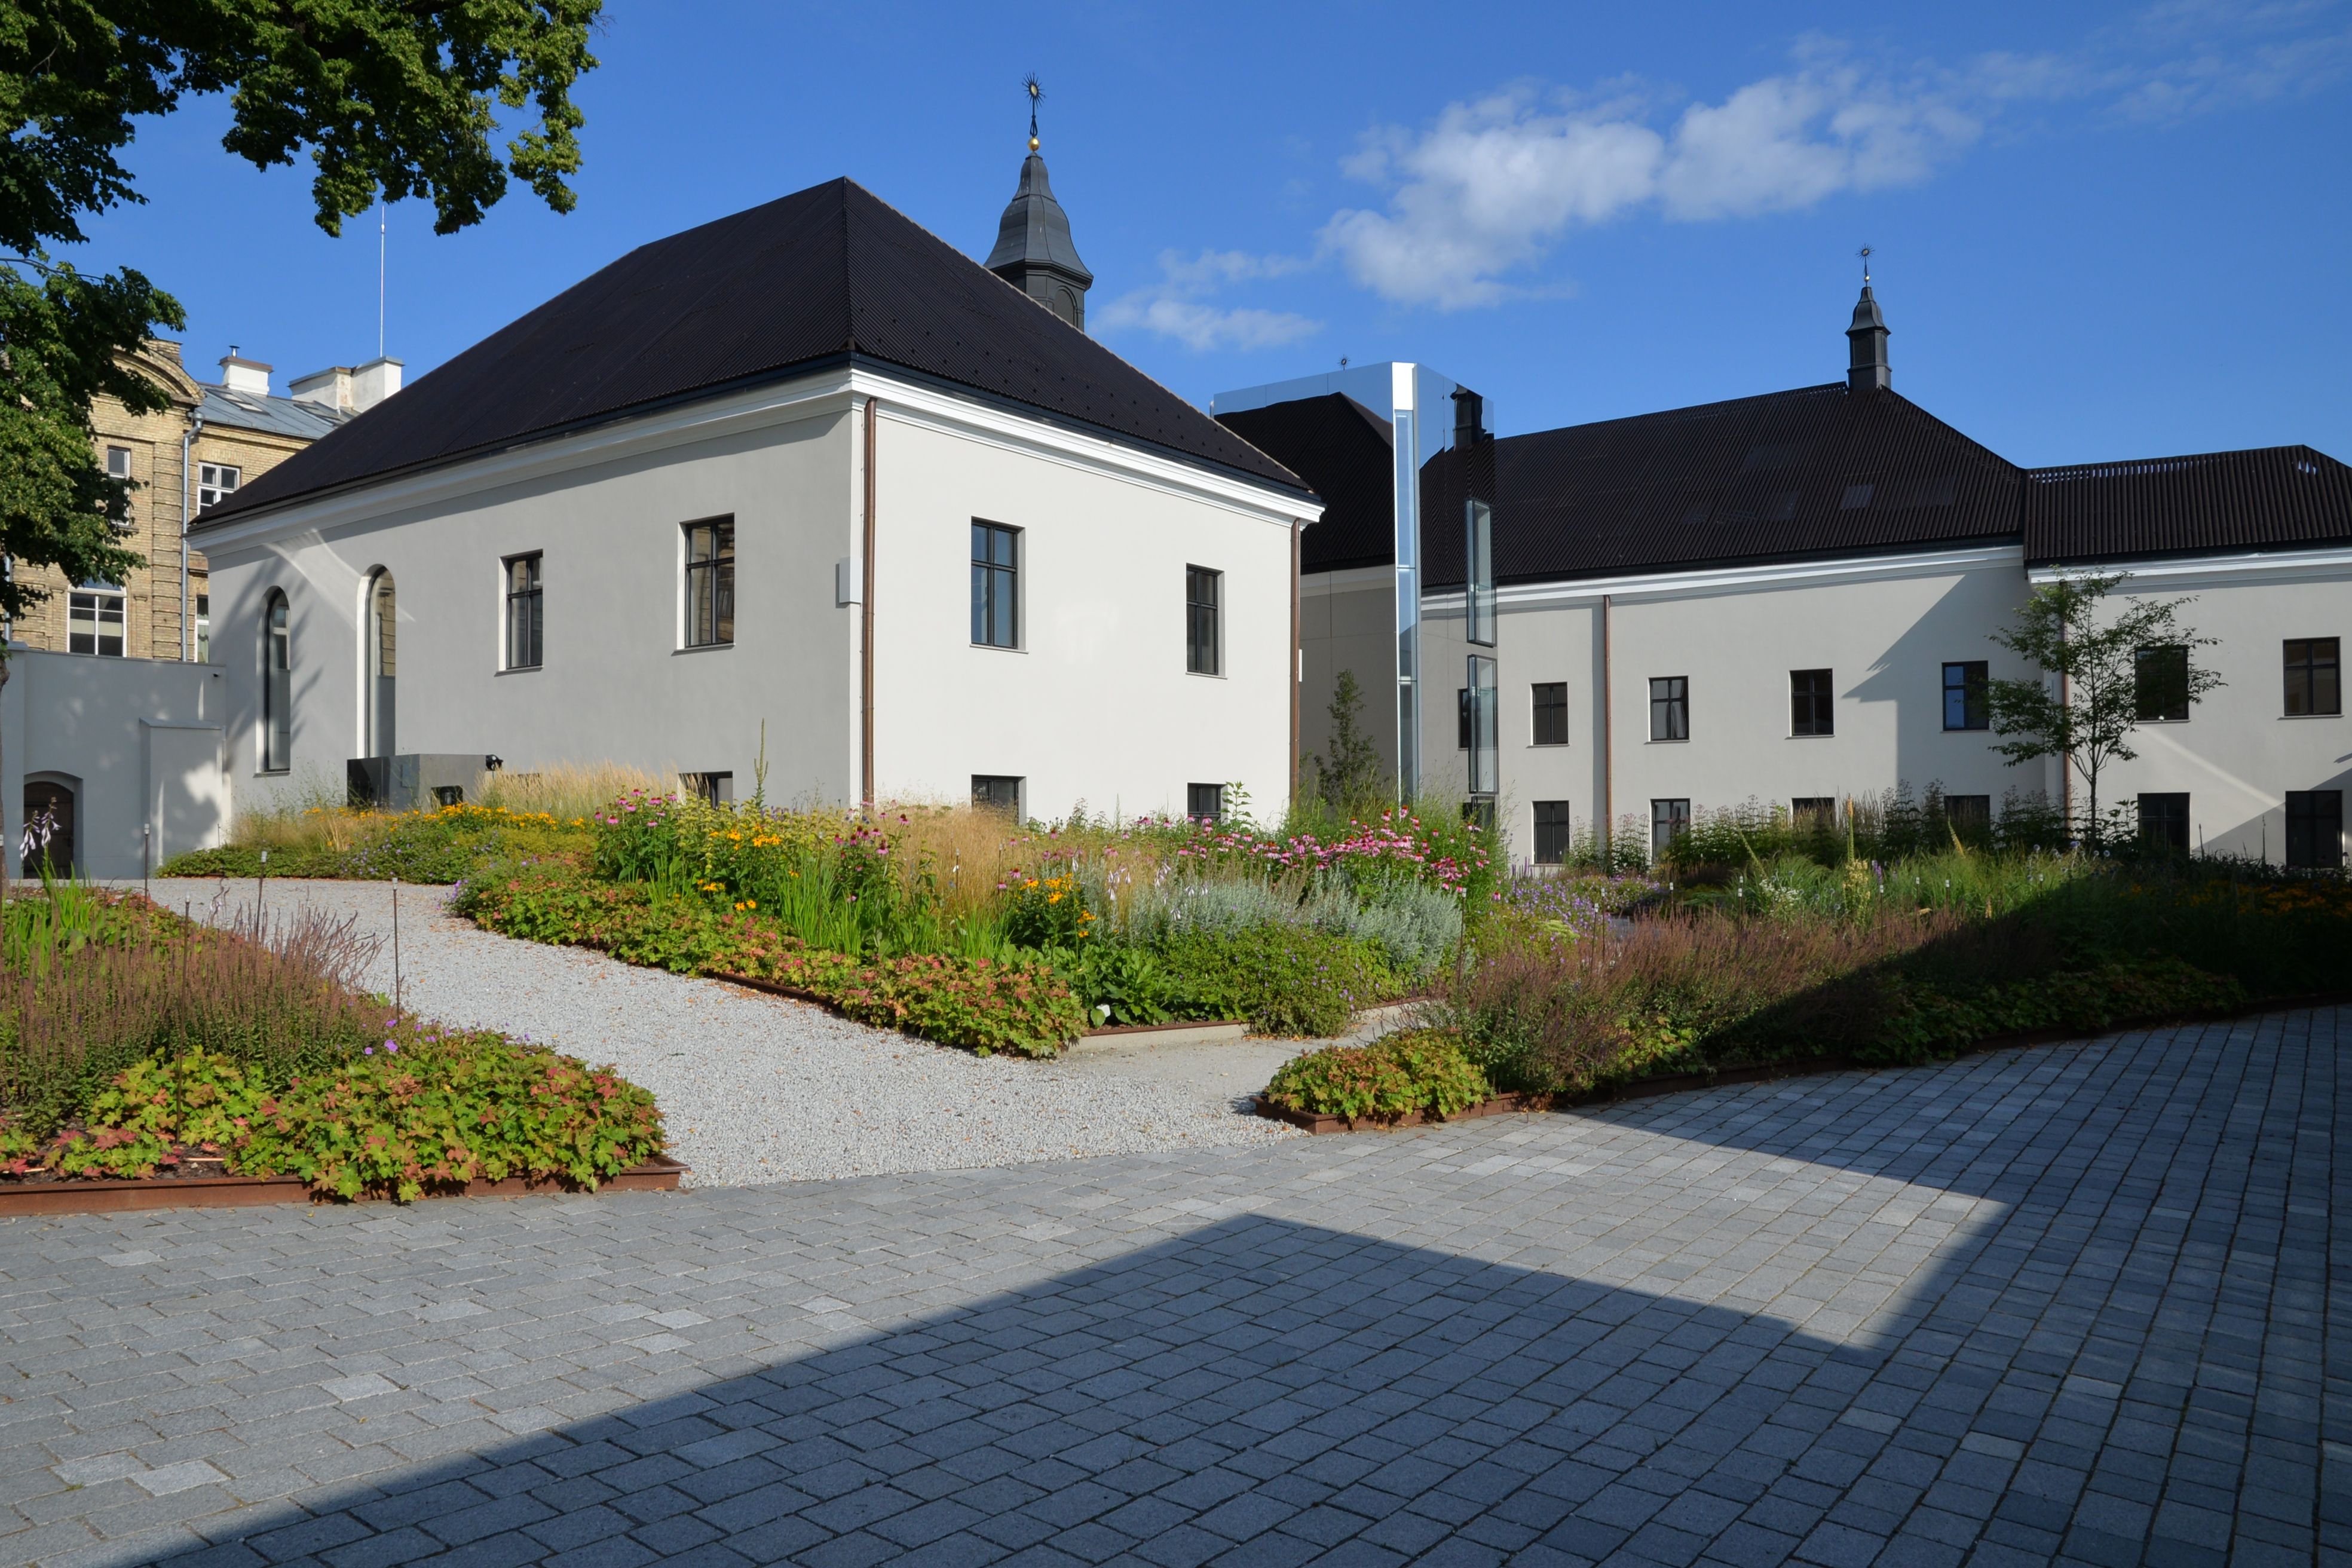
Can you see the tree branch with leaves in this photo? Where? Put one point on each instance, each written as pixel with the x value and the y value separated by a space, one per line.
pixel 2097 680
pixel 393 100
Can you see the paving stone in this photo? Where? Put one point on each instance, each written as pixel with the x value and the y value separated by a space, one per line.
pixel 2067 1303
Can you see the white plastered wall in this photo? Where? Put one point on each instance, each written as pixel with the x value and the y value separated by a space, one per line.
pixel 1096 706
pixel 616 682
pixel 2240 753
pixel 1883 627
pixel 138 741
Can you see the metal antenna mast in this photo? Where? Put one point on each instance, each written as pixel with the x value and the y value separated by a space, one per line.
pixel 379 277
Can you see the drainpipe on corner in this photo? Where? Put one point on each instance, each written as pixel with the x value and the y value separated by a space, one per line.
pixel 187 627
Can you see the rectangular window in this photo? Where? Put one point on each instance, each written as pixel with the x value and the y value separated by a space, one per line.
pixel 2315 677
pixel 1967 704
pixel 1464 718
pixel 1970 815
pixel 2160 684
pixel 2314 827
pixel 216 483
pixel 1813 814
pixel 1669 820
pixel 1202 592
pixel 276 688
pixel 526 611
pixel 1811 709
pixel 1206 802
pixel 995 585
pixel 711 789
pixel 1552 832
pixel 1479 812
pixel 1552 714
pixel 994 791
pixel 1670 708
pixel 203 628
pixel 2164 821
pixel 1478 597
pixel 711 582
pixel 117 462
pixel 94 622
pixel 1485 762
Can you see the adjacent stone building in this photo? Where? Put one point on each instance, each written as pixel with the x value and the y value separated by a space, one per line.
pixel 213 439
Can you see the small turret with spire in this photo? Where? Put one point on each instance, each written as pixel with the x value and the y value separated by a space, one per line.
pixel 1867 367
pixel 1033 250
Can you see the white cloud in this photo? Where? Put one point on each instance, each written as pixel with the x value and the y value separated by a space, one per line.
pixel 1178 305
pixel 1494 184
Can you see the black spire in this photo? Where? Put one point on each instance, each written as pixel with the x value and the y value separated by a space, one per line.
pixel 1033 250
pixel 1866 368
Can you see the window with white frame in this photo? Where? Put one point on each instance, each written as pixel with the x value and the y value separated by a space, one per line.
pixel 1204 598
pixel 277 686
pixel 95 619
pixel 526 610
pixel 117 462
pixel 711 582
pixel 216 483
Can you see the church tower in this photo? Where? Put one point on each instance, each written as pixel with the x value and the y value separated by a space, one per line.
pixel 1034 251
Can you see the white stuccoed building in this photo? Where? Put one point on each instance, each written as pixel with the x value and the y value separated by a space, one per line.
pixel 1788 599
pixel 806 466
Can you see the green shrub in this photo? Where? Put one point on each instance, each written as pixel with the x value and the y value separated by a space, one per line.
pixel 1420 1070
pixel 1284 980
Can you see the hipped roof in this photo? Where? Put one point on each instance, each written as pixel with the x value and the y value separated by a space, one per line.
pixel 831 274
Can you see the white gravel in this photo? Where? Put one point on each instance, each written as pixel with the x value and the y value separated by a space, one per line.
pixel 757 1088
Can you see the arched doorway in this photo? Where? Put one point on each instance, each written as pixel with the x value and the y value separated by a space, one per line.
pixel 48 843
pixel 383 664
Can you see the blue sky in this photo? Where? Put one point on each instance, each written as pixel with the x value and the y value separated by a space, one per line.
pixel 2101 231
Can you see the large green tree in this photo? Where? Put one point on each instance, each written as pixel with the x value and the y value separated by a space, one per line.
pixel 390 99
pixel 2101 674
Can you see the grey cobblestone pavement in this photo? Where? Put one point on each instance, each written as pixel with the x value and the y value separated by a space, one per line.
pixel 2069 1303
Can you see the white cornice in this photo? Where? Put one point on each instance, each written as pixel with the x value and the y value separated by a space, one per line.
pixel 2232 571
pixel 1635 588
pixel 818 395
pixel 943 410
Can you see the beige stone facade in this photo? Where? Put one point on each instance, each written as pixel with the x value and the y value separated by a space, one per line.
pixel 245 432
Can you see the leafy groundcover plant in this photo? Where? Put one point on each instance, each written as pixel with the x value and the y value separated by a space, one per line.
pixel 448 1111
pixel 986 1006
pixel 1424 1071
pixel 134 1043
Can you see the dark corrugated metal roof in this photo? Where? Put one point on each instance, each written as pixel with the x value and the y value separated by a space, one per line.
pixel 1817 471
pixel 2271 498
pixel 827 272
pixel 1347 454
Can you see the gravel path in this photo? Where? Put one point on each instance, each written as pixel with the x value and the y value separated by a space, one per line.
pixel 757 1088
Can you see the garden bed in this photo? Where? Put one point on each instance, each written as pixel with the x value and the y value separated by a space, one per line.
pixel 45 1192
pixel 143 1053
pixel 1508 1104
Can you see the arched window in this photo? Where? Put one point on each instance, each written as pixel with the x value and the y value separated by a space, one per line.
pixel 277 686
pixel 379 659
